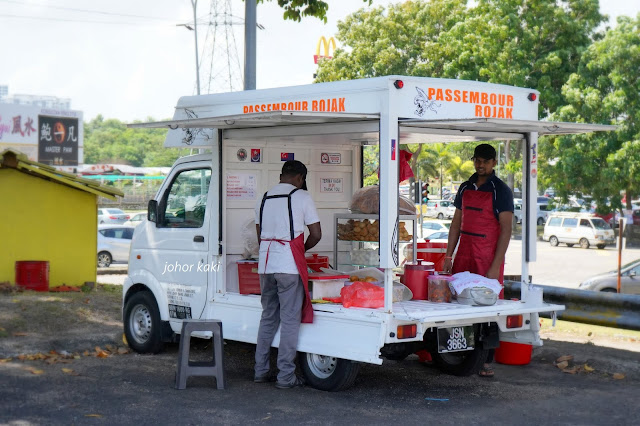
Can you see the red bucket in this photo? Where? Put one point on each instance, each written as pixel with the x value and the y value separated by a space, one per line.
pixel 513 353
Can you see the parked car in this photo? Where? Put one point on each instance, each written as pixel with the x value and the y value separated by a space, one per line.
pixel 136 219
pixel 440 209
pixel 439 237
pixel 431 226
pixel 114 216
pixel 577 228
pixel 608 282
pixel 542 211
pixel 113 244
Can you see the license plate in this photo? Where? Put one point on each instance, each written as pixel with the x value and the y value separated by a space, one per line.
pixel 455 339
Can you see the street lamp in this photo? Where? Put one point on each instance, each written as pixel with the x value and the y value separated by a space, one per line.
pixel 194 4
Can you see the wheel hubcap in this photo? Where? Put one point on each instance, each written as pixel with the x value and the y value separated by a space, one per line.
pixel 322 366
pixel 103 259
pixel 140 323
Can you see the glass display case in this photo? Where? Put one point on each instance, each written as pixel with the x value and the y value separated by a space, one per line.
pixel 357 240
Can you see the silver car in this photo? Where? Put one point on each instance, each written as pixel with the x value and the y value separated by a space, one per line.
pixel 608 282
pixel 115 216
pixel 114 242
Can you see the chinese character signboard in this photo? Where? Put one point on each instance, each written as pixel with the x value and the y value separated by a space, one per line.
pixel 57 141
pixel 46 135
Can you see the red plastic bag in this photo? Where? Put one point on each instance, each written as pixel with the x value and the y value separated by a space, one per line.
pixel 362 295
pixel 405 167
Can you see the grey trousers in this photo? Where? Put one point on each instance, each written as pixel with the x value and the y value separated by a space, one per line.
pixel 282 296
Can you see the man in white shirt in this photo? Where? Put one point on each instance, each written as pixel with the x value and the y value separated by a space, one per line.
pixel 281 217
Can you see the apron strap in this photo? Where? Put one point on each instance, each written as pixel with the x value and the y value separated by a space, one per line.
pixel 266 197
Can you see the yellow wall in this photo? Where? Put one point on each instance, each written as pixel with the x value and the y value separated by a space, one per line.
pixel 45 220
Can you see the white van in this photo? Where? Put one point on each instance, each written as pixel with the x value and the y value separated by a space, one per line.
pixel 184 259
pixel 578 228
pixel 542 211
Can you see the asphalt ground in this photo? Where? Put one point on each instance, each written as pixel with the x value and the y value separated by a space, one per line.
pixel 139 389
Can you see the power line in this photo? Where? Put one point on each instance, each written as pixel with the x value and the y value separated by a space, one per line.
pixel 83 21
pixel 98 12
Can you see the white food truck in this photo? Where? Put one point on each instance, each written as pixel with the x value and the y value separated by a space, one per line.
pixel 184 260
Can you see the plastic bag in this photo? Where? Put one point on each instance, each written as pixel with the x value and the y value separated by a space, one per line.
pixel 367 200
pixel 362 295
pixel 250 240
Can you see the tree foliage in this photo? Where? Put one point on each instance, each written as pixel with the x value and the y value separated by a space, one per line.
pixel 110 141
pixel 605 89
pixel 295 9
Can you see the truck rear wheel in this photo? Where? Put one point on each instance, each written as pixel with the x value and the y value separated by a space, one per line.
pixel 142 323
pixel 328 373
pixel 463 363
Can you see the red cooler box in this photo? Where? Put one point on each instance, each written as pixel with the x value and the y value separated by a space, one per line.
pixel 432 252
pixel 33 274
pixel 248 279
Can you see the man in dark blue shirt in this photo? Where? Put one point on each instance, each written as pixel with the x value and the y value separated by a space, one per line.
pixel 482 222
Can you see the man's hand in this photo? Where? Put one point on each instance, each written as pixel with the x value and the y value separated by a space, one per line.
pixel 493 272
pixel 448 265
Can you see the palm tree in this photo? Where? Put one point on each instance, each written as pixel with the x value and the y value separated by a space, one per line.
pixel 460 170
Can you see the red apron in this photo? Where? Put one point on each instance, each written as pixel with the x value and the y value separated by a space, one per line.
pixel 297 249
pixel 479 234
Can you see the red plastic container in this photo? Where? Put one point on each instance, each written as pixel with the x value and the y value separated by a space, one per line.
pixel 316 262
pixel 432 252
pixel 33 274
pixel 513 353
pixel 415 277
pixel 248 278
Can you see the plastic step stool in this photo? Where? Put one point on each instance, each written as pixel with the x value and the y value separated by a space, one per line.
pixel 213 368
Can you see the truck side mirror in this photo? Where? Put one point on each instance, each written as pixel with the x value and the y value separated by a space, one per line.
pixel 632 273
pixel 152 211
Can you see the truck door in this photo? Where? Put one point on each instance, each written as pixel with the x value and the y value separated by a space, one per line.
pixel 182 240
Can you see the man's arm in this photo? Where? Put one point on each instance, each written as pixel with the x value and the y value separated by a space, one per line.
pixel 454 234
pixel 506 220
pixel 315 234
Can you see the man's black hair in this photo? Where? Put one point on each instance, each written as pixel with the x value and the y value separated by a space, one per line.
pixel 485 151
pixel 293 168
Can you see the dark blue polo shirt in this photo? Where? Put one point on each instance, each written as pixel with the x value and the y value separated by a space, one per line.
pixel 502 195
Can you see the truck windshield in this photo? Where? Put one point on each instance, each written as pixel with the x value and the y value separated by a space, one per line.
pixel 600 224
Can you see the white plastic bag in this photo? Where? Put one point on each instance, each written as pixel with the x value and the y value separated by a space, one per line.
pixel 464 280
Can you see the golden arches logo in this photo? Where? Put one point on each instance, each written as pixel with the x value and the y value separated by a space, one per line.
pixel 327 48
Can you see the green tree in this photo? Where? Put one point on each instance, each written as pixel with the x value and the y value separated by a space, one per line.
pixel 606 89
pixel 525 43
pixel 377 42
pixel 110 141
pixel 296 9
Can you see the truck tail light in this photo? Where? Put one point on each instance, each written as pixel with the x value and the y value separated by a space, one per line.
pixel 113 217
pixel 127 217
pixel 514 321
pixel 407 331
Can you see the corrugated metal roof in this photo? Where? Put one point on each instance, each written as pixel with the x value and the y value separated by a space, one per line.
pixel 16 160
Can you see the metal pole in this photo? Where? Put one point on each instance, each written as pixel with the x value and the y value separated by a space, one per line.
pixel 441 179
pixel 194 3
pixel 250 25
pixel 620 230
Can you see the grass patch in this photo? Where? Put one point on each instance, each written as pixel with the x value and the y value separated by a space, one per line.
pixel 587 330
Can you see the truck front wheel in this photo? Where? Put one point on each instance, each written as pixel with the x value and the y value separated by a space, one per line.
pixel 463 363
pixel 142 326
pixel 328 373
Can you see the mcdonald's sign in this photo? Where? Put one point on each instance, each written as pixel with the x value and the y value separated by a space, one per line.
pixel 327 49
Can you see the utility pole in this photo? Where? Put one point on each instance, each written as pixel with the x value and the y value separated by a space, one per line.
pixel 250 24
pixel 194 3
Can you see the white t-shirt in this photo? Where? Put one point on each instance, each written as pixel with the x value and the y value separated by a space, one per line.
pixel 275 225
